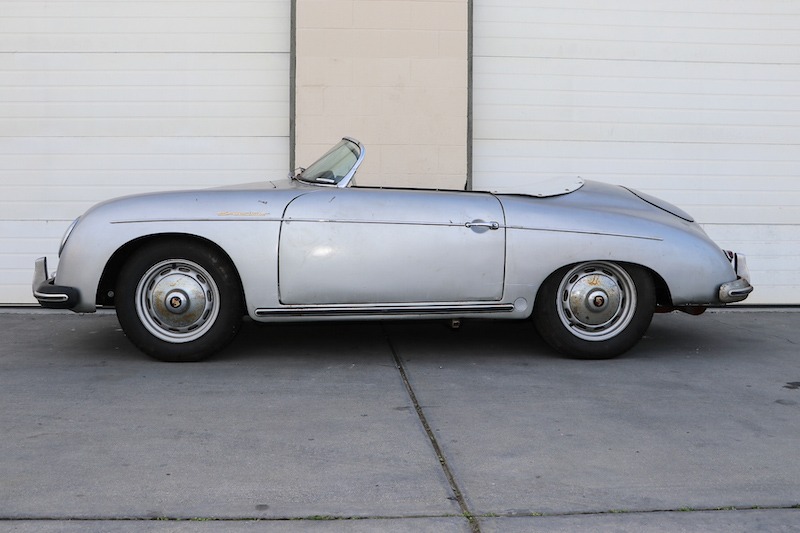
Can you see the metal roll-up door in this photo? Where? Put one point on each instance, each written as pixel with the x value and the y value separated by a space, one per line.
pixel 102 99
pixel 695 102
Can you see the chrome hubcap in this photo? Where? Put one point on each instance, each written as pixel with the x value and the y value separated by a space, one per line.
pixel 177 300
pixel 596 300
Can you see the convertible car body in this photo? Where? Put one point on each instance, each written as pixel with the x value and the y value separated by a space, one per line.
pixel 589 262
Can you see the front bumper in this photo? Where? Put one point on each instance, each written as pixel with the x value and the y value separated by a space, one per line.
pixel 48 293
pixel 738 290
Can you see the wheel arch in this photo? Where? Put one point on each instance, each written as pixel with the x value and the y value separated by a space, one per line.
pixel 110 275
pixel 663 294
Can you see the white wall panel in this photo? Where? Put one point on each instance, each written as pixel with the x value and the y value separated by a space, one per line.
pixel 696 102
pixel 101 99
pixel 131 26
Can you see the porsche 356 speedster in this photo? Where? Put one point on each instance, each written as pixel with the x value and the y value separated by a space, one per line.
pixel 588 263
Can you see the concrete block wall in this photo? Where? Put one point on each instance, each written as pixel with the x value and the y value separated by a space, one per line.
pixel 391 73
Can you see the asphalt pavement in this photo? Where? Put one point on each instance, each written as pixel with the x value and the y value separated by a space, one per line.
pixel 401 427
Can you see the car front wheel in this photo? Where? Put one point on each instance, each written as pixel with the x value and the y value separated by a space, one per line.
pixel 178 301
pixel 595 310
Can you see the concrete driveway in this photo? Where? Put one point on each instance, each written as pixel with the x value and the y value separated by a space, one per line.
pixel 401 427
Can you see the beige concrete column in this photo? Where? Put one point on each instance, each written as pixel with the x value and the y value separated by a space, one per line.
pixel 391 73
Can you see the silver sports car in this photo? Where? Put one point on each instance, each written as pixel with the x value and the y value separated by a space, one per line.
pixel 589 263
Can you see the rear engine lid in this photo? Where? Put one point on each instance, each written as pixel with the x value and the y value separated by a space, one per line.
pixel 539 187
pixel 663 205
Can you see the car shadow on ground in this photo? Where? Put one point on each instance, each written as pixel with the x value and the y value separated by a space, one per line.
pixel 337 339
pixel 99 337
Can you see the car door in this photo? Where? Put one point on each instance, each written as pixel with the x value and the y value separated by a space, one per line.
pixel 374 246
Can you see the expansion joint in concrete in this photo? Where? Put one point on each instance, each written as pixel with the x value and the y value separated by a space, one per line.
pixel 451 479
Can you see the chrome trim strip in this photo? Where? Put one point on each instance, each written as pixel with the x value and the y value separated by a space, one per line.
pixel 378 310
pixel 54 298
pixel 492 225
pixel 219 219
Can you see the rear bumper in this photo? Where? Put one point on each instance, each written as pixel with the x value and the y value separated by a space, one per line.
pixel 48 293
pixel 739 289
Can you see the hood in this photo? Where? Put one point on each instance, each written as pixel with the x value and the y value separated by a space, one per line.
pixel 282 183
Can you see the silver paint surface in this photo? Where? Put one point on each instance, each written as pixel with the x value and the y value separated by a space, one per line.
pixel 308 252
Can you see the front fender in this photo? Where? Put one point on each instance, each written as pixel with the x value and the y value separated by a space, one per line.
pixel 244 224
pixel 251 247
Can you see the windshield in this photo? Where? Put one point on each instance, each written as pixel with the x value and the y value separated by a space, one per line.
pixel 337 166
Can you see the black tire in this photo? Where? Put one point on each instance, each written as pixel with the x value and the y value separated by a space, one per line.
pixel 596 309
pixel 179 301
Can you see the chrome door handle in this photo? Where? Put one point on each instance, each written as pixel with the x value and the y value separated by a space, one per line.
pixel 482 224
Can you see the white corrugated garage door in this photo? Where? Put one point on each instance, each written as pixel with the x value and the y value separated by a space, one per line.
pixel 101 99
pixel 696 102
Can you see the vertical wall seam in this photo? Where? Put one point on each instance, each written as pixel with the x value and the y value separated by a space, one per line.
pixel 470 7
pixel 292 83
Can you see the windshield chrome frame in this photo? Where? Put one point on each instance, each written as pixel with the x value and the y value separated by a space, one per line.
pixel 345 181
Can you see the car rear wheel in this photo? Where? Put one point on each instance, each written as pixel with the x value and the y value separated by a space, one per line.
pixel 178 301
pixel 595 310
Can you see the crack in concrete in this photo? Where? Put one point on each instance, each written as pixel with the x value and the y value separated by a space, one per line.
pixel 457 492
pixel 333 518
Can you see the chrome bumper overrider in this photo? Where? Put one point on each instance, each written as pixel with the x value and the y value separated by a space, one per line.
pixel 738 290
pixel 47 293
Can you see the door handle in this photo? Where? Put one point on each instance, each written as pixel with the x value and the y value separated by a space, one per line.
pixel 482 224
